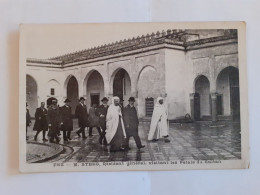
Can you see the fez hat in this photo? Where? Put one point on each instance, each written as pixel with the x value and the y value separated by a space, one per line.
pixel 132 99
pixel 82 98
pixel 67 100
pixel 104 99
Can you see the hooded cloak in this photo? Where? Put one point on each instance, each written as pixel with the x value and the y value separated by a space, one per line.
pixel 158 128
pixel 112 120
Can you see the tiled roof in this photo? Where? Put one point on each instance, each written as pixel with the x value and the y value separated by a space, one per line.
pixel 173 37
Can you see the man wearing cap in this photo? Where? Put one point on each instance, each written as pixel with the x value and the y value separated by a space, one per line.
pixel 53 119
pixel 101 112
pixel 41 122
pixel 81 113
pixel 66 120
pixel 131 124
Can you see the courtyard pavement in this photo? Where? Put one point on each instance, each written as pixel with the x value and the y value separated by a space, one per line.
pixel 193 141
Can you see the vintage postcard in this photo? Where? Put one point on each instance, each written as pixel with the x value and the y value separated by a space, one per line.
pixel 133 96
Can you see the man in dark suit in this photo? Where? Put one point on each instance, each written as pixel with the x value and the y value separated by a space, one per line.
pixel 66 120
pixel 53 119
pixel 131 123
pixel 81 113
pixel 28 120
pixel 101 112
pixel 41 121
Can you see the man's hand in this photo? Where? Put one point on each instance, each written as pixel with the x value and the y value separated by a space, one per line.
pixel 49 125
pixel 40 118
pixel 61 123
pixel 102 116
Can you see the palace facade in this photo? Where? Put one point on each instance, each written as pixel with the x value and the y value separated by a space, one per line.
pixel 196 70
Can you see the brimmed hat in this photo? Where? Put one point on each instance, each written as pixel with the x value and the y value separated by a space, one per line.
pixel 104 99
pixel 131 99
pixel 67 100
pixel 82 98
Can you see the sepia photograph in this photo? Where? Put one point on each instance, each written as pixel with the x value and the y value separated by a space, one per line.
pixel 133 96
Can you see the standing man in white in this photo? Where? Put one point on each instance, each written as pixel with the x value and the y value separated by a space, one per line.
pixel 159 122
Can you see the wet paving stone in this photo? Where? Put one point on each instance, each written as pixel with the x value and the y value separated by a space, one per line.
pixel 194 141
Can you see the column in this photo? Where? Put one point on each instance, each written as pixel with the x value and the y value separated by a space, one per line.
pixel 214 106
pixel 192 105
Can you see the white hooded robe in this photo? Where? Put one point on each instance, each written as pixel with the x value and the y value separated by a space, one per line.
pixel 112 121
pixel 158 128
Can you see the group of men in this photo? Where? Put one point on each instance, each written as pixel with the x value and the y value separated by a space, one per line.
pixel 114 123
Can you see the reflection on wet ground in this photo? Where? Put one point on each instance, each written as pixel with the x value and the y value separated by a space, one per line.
pixel 194 141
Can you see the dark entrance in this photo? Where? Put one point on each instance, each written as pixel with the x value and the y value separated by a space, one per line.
pixel 201 99
pixel 94 98
pixel 72 93
pixel 234 93
pixel 119 84
pixel 228 87
pixel 122 85
pixel 196 106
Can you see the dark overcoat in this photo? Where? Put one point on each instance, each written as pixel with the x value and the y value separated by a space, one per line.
pixel 131 121
pixel 40 120
pixel 102 110
pixel 66 118
pixel 81 113
pixel 28 118
pixel 53 118
pixel 93 118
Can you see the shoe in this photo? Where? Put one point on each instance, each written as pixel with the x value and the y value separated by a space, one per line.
pixel 69 138
pixel 35 138
pixel 45 140
pixel 78 134
pixel 167 141
pixel 84 137
pixel 142 146
pixel 127 148
pixel 155 140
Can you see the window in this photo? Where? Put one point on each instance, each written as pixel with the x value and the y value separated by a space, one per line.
pixel 52 91
pixel 149 105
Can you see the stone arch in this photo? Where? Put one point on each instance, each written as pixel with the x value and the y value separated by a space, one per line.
pixel 66 83
pixel 227 82
pixel 120 85
pixel 141 71
pixel 71 91
pixel 146 76
pixel 202 99
pixel 31 93
pixel 93 87
pixel 197 77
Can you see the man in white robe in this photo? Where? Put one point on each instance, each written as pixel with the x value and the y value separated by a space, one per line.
pixel 115 133
pixel 159 122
